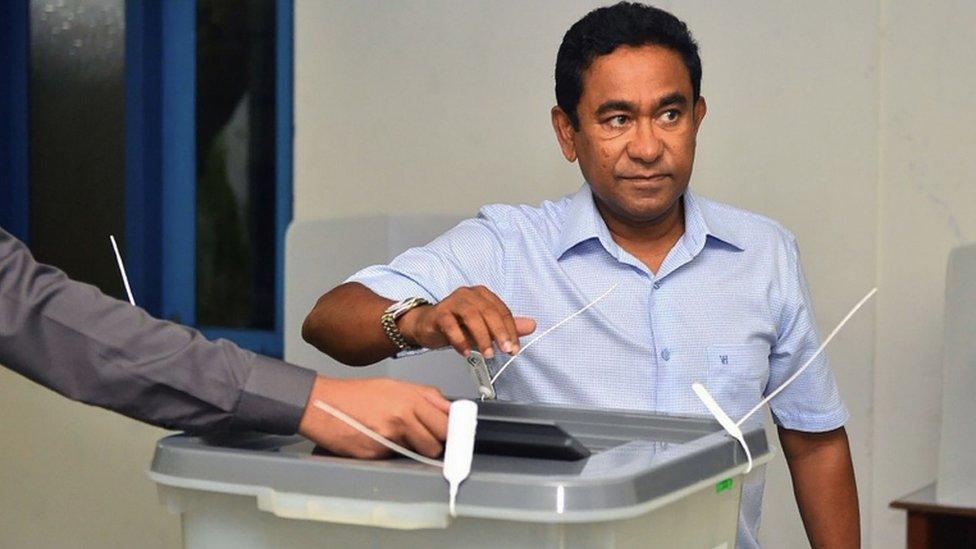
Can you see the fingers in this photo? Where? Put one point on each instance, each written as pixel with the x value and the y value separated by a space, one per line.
pixel 368 448
pixel 435 397
pixel 477 328
pixel 341 439
pixel 427 436
pixel 434 420
pixel 412 415
pixel 456 337
pixel 476 318
pixel 416 418
pixel 524 326
pixel 421 439
pixel 502 324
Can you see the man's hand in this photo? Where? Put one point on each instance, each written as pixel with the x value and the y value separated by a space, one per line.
pixel 409 414
pixel 469 318
pixel 345 324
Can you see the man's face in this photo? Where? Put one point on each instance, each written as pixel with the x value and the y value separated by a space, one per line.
pixel 637 128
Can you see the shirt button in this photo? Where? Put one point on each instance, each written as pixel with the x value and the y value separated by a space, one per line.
pixel 665 354
pixel 657 285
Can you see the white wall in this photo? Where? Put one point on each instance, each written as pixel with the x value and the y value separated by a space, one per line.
pixel 927 204
pixel 418 106
pixel 75 476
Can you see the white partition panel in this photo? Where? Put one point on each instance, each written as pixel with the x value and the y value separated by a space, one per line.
pixel 957 448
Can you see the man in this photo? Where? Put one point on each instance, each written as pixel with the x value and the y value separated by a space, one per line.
pixel 703 291
pixel 70 337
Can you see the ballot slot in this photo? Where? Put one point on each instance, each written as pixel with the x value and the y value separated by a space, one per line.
pixel 499 436
pixel 527 439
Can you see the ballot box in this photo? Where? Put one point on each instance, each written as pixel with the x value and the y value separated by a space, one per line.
pixel 649 481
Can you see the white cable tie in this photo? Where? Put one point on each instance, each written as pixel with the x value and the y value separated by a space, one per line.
pixel 125 279
pixel 723 419
pixel 812 358
pixel 459 452
pixel 544 334
pixel 452 491
pixel 376 436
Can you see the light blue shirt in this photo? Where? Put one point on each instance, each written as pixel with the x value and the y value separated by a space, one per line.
pixel 729 307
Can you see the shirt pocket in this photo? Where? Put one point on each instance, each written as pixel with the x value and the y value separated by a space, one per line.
pixel 737 375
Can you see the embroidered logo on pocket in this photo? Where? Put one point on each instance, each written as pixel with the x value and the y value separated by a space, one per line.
pixel 724 359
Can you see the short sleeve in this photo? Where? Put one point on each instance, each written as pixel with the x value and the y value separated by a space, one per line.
pixel 470 254
pixel 812 403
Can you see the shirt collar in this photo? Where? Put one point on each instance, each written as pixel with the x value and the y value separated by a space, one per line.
pixel 583 222
pixel 701 222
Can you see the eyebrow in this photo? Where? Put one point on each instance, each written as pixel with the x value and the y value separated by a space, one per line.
pixel 675 98
pixel 615 105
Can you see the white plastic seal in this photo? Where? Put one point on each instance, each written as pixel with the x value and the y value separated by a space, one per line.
pixel 723 419
pixel 461 425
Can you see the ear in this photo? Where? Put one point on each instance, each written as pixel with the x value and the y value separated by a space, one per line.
pixel 700 109
pixel 565 133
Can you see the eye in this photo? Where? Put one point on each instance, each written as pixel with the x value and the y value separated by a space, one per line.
pixel 618 121
pixel 670 116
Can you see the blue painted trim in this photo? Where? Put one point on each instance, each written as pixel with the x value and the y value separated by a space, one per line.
pixel 178 167
pixel 284 139
pixel 161 162
pixel 143 159
pixel 266 342
pixel 14 129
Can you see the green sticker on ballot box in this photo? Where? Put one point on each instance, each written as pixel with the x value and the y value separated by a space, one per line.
pixel 723 486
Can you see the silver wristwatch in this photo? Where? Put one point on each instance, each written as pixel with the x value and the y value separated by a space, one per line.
pixel 395 311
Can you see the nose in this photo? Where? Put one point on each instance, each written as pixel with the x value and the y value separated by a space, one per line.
pixel 645 146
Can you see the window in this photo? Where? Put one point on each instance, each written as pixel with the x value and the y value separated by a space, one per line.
pixel 168 124
pixel 210 89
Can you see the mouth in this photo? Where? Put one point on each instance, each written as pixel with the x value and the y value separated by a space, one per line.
pixel 644 178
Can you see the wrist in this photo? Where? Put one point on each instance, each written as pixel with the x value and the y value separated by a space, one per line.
pixel 391 317
pixel 322 389
pixel 408 325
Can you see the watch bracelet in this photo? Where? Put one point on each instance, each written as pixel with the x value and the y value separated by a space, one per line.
pixel 393 333
pixel 389 318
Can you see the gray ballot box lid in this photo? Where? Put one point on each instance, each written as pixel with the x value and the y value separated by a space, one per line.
pixel 639 461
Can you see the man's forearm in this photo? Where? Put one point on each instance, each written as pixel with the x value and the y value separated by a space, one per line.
pixel 345 324
pixel 824 486
pixel 71 338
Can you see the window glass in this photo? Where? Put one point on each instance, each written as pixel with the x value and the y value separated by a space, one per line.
pixel 235 147
pixel 76 134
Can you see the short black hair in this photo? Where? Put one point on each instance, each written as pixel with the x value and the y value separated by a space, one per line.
pixel 603 30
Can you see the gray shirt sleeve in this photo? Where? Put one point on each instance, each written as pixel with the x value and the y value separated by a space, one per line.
pixel 72 338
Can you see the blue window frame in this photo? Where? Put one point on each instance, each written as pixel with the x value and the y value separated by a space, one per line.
pixel 14 160
pixel 160 152
pixel 161 163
